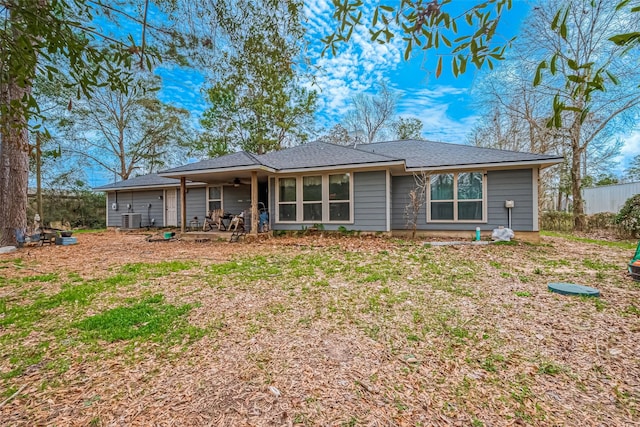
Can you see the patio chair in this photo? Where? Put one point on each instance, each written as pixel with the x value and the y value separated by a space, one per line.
pixel 237 222
pixel 214 219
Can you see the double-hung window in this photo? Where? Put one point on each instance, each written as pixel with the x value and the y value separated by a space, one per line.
pixel 315 198
pixel 214 198
pixel 457 197
pixel 287 199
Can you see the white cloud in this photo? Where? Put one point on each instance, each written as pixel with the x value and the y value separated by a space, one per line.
pixel 434 106
pixel 629 150
pixel 357 66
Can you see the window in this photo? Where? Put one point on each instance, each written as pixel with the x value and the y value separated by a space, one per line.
pixel 456 197
pixel 287 196
pixel 339 196
pixel 214 198
pixel 315 198
pixel 312 198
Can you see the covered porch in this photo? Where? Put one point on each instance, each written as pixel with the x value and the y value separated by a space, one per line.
pixel 236 183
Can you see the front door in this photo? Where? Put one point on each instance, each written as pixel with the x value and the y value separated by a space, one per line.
pixel 171 208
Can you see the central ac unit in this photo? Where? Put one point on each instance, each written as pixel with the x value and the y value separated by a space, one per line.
pixel 131 220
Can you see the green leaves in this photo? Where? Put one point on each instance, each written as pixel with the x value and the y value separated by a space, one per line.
pixel 427 24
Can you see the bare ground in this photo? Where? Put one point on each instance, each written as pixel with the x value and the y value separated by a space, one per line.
pixel 453 335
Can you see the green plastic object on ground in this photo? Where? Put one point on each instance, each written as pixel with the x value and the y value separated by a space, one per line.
pixel 573 289
pixel 634 270
pixel 637 255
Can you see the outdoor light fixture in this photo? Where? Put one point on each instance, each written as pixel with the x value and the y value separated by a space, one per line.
pixel 236 182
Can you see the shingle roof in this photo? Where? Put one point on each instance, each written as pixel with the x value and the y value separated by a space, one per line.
pixel 151 180
pixel 426 154
pixel 232 160
pixel 320 154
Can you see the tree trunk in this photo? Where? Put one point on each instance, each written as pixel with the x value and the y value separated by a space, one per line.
pixel 14 165
pixel 579 222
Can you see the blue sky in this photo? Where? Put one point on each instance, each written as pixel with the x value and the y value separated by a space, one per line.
pixel 443 104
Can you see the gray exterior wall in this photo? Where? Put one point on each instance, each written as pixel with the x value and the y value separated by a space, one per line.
pixel 196 204
pixel 516 185
pixel 369 204
pixel 370 195
pixel 236 199
pixel 140 199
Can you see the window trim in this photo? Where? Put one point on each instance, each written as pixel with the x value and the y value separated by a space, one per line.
pixel 455 200
pixel 221 199
pixel 325 198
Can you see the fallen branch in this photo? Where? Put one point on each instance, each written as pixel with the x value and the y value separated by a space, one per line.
pixel 8 399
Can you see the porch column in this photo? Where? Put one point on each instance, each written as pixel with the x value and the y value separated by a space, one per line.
pixel 254 203
pixel 183 204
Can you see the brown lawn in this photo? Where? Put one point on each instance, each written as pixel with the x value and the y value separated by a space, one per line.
pixel 318 330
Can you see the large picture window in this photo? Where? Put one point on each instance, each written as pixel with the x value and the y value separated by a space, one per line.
pixel 456 197
pixel 315 198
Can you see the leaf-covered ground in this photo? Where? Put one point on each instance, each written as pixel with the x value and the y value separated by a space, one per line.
pixel 317 331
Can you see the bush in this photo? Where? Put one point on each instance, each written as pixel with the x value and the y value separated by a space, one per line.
pixel 81 209
pixel 629 216
pixel 556 221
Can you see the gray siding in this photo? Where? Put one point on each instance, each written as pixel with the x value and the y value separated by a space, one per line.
pixel 196 204
pixel 139 201
pixel 370 194
pixel 513 185
pixel 236 199
pixel 369 206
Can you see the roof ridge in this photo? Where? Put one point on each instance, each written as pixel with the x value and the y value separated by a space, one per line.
pixel 252 157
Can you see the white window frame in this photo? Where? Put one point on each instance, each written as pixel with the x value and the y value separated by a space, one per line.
pixel 215 200
pixel 455 200
pixel 325 199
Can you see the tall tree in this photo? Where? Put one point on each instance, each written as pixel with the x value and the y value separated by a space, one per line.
pixel 257 102
pixel 31 32
pixel 577 38
pixel 632 173
pixel 408 128
pixel 337 135
pixel 371 115
pixel 125 133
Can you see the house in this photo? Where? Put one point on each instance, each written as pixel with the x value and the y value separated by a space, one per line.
pixel 364 187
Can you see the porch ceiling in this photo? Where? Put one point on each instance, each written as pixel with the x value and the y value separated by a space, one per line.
pixel 224 177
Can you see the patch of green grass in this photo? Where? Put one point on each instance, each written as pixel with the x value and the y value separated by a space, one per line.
pixel 493 362
pixel 49 277
pixel 632 309
pixel 623 244
pixel 599 265
pixel 523 293
pixel 249 269
pixel 495 264
pixel 548 368
pixel 149 319
pixel 555 262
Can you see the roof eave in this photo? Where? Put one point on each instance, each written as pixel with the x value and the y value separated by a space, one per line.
pixel 543 163
pixel 348 166
pixel 178 174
